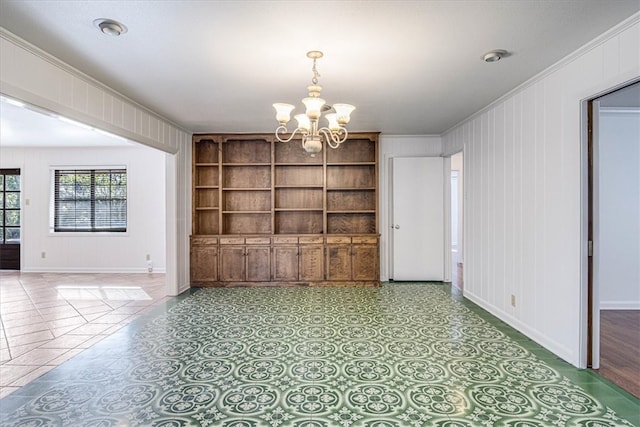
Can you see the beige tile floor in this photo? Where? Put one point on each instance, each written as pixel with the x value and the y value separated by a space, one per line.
pixel 47 318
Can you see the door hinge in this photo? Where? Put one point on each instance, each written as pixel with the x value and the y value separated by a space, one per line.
pixel 590 248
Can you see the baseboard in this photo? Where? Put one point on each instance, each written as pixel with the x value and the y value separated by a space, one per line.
pixel 92 270
pixel 620 305
pixel 559 349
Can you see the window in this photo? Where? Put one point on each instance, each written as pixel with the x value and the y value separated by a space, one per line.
pixel 9 206
pixel 90 200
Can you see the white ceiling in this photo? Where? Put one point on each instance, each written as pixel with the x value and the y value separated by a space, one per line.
pixel 23 127
pixel 410 67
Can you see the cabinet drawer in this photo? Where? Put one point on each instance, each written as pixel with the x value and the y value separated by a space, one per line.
pixel 258 240
pixel 204 240
pixel 338 239
pixel 367 240
pixel 311 240
pixel 285 240
pixel 232 240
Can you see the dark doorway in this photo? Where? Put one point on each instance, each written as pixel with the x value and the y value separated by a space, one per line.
pixel 10 219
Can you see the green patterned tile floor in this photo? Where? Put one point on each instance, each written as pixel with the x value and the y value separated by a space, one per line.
pixel 399 355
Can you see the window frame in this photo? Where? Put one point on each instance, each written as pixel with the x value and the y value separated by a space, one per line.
pixel 54 229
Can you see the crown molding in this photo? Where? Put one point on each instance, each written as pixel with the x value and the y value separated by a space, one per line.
pixel 20 42
pixel 598 41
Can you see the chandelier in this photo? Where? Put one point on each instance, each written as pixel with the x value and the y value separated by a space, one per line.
pixel 334 134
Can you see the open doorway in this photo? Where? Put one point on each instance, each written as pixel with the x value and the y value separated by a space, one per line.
pixel 614 236
pixel 40 146
pixel 457 220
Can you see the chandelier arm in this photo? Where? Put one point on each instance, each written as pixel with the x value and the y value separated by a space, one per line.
pixel 308 127
pixel 282 130
pixel 341 135
pixel 334 138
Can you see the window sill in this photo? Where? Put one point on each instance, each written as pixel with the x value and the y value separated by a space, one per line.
pixel 88 234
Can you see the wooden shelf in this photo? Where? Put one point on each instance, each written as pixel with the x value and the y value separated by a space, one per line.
pixel 245 164
pixel 246 212
pixel 298 164
pixel 351 212
pixel 351 164
pixel 246 189
pixel 205 192
pixel 298 209
pixel 284 186
pixel 351 189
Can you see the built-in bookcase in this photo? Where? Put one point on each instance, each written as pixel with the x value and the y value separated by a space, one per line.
pixel 351 188
pixel 251 188
pixel 206 186
pixel 246 186
pixel 298 190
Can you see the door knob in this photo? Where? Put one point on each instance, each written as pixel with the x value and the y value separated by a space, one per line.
pixel 397 227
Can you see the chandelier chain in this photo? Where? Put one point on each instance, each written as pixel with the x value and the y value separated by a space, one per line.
pixel 314 80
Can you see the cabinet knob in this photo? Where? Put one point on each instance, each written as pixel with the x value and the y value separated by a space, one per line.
pixel 397 227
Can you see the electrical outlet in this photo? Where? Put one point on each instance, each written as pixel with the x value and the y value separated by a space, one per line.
pixel 513 300
pixel 43 255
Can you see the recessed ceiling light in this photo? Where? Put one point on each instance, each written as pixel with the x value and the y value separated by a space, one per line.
pixel 110 27
pixel 494 55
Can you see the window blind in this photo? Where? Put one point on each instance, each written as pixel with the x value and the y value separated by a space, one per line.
pixel 90 200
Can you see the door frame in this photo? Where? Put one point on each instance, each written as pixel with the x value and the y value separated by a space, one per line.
pixel 589 351
pixel 593 302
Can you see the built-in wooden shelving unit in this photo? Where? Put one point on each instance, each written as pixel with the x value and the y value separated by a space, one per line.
pixel 266 212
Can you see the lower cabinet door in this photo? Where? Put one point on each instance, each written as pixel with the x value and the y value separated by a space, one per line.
pixel 339 262
pixel 258 264
pixel 204 263
pixel 311 262
pixel 365 262
pixel 232 264
pixel 285 263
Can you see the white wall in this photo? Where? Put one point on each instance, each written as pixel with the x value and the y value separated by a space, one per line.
pixel 397 146
pixel 618 238
pixel 86 252
pixel 35 77
pixel 524 187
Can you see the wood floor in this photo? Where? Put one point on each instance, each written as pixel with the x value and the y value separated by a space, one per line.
pixel 620 348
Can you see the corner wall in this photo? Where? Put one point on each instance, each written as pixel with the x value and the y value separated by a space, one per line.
pixel 524 189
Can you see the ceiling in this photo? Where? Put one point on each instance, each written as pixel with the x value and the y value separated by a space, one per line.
pixel 24 127
pixel 410 67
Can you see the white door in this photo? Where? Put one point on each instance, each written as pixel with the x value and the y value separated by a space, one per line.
pixel 418 218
